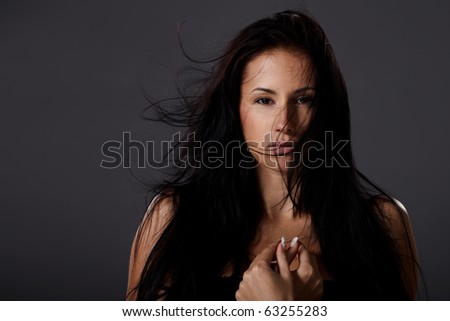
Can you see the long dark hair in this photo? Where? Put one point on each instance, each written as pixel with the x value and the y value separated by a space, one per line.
pixel 216 209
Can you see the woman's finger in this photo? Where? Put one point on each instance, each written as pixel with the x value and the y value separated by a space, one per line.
pixel 291 252
pixel 267 254
pixel 305 257
pixel 282 262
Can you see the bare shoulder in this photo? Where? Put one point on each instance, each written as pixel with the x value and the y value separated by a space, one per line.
pixel 158 215
pixel 395 215
pixel 397 221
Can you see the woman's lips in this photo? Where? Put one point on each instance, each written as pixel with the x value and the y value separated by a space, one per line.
pixel 281 148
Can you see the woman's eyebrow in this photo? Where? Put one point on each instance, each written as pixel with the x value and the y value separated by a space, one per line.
pixel 304 89
pixel 270 91
pixel 273 92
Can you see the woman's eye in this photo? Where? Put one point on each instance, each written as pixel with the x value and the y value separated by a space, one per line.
pixel 264 101
pixel 304 100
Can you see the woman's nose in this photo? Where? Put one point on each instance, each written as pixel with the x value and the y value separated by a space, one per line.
pixel 285 121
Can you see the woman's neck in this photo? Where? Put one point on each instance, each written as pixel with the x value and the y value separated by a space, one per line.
pixel 272 186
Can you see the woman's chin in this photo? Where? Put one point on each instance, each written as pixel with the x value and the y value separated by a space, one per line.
pixel 281 162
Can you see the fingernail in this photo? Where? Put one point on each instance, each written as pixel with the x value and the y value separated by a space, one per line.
pixel 283 242
pixel 294 241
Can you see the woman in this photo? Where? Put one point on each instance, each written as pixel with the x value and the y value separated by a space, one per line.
pixel 283 214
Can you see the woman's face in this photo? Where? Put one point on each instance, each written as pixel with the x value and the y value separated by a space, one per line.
pixel 275 106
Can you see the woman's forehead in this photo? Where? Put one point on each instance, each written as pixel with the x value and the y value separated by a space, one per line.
pixel 279 67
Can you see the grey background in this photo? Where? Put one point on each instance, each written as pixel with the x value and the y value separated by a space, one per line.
pixel 70 77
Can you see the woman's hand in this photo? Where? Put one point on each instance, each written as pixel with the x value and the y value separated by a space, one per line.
pixel 261 282
pixel 308 282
